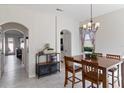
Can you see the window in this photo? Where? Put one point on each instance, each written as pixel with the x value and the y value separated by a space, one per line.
pixel 10 45
pixel 87 41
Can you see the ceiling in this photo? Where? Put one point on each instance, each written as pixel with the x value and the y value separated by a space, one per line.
pixel 80 12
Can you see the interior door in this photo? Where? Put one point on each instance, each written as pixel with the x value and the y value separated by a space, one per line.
pixel 67 44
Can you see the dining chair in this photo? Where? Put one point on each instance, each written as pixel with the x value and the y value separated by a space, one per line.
pixel 91 73
pixel 99 55
pixel 72 68
pixel 114 69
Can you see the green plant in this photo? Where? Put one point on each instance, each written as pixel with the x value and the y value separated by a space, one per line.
pixel 94 56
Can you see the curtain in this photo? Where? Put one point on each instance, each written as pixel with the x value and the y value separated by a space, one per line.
pixel 92 37
pixel 82 36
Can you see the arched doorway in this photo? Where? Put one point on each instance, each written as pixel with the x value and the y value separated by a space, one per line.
pixel 21 30
pixel 65 43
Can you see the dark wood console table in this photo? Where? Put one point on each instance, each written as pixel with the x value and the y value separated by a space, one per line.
pixel 49 66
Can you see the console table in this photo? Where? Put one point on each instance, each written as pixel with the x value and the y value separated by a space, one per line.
pixel 49 66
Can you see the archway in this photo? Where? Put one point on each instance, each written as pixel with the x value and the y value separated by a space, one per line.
pixel 65 43
pixel 14 26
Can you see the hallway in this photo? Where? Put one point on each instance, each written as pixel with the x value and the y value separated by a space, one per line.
pixel 13 71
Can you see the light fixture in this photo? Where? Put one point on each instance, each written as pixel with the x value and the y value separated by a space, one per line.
pixel 91 26
pixel 90 29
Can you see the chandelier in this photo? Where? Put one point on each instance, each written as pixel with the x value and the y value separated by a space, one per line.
pixel 91 26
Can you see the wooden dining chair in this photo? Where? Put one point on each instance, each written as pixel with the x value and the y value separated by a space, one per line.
pixel 70 67
pixel 114 69
pixel 91 73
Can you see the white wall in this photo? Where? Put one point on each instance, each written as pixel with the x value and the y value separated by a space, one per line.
pixel 0 54
pixel 41 27
pixel 110 36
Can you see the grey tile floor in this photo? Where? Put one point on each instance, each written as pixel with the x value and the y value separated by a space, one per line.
pixel 15 77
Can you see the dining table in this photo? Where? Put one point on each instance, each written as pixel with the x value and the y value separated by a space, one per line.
pixel 104 64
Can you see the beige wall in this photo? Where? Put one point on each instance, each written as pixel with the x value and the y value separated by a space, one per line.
pixel 110 36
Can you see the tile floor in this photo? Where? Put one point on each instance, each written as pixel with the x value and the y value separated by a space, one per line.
pixel 15 77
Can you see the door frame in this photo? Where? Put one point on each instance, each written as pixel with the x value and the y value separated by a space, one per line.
pixel 70 40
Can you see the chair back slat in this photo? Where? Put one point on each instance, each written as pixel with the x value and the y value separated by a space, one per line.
pixel 113 56
pixel 90 66
pixel 90 70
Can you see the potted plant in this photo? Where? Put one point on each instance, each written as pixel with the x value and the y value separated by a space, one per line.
pixel 93 56
pixel 90 53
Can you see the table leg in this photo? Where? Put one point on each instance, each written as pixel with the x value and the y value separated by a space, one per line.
pixel 105 78
pixel 83 79
pixel 120 75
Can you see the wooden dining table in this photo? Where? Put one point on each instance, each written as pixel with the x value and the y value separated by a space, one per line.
pixel 104 64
